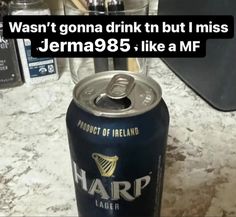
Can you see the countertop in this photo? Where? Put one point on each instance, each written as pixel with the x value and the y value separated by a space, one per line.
pixel 35 171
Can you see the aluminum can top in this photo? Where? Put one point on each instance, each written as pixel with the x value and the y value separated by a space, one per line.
pixel 117 94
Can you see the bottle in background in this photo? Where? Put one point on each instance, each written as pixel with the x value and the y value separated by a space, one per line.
pixel 35 70
pixel 10 75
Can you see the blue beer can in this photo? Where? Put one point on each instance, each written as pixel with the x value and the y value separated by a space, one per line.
pixel 117 128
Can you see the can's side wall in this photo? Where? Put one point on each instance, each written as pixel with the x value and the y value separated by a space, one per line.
pixel 138 157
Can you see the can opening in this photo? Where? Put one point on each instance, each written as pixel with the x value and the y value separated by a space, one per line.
pixel 106 102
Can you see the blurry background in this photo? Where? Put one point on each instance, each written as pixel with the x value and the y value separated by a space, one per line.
pixel 57 5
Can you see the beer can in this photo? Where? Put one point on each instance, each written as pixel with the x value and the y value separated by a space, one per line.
pixel 117 128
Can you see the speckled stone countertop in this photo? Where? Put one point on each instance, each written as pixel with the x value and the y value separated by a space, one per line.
pixel 35 170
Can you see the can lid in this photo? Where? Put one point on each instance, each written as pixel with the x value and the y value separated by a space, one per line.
pixel 117 94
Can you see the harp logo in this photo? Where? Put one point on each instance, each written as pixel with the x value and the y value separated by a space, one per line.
pixel 106 164
pixel 114 191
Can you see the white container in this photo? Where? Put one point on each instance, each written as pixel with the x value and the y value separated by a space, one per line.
pixel 35 70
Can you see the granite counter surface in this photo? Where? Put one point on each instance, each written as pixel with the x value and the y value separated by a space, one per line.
pixel 35 170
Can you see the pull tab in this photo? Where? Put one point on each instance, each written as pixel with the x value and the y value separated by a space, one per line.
pixel 120 86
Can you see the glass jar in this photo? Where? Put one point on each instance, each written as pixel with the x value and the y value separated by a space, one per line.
pixel 82 67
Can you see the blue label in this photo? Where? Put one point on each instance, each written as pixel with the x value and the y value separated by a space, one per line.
pixel 38 67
